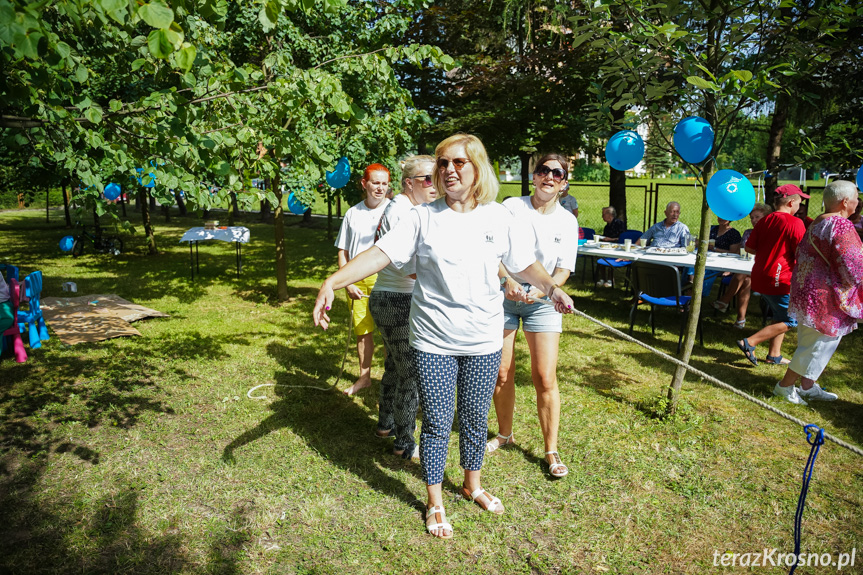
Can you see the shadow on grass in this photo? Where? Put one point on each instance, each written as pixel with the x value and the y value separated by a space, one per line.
pixel 34 534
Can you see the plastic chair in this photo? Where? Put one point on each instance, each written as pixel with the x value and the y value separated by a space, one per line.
pixel 10 272
pixel 611 263
pixel 31 319
pixel 12 336
pixel 586 234
pixel 659 285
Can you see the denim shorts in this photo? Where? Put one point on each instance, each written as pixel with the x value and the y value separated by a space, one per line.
pixel 779 305
pixel 535 317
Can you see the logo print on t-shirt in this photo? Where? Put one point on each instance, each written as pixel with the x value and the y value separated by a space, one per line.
pixel 557 239
pixel 489 237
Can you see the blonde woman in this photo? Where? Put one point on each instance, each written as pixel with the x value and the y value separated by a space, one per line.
pixel 555 233
pixel 455 245
pixel 390 305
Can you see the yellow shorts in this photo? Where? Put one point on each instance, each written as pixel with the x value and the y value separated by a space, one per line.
pixel 362 319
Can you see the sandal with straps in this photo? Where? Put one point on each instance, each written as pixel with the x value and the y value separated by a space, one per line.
pixel 436 519
pixel 776 360
pixel 498 442
pixel 556 468
pixel 748 350
pixel 494 506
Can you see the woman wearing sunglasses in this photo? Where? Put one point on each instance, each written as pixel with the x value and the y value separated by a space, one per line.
pixel 356 235
pixel 390 305
pixel 455 245
pixel 555 231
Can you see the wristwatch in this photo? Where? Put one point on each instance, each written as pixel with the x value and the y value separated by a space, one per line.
pixel 503 281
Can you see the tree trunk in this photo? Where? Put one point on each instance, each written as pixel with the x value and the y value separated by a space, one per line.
pixel 148 227
pixel 140 198
pixel 617 179
pixel 123 203
pixel 307 218
pixel 704 232
pixel 265 210
pixel 525 173
pixel 166 211
pixel 96 225
pixel 234 210
pixel 181 203
pixel 66 206
pixel 774 145
pixel 279 232
pixel 152 200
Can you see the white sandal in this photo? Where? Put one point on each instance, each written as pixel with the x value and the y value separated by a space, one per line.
pixel 498 442
pixel 556 465
pixel 435 525
pixel 495 506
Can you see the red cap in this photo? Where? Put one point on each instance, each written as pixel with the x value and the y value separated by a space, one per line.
pixel 790 190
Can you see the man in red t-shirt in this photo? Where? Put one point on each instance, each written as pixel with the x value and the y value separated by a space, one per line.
pixel 774 243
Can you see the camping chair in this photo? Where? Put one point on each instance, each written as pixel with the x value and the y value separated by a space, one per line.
pixel 659 285
pixel 12 336
pixel 612 263
pixel 10 272
pixel 31 319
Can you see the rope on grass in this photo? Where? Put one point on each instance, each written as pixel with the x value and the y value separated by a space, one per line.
pixel 329 387
pixel 711 379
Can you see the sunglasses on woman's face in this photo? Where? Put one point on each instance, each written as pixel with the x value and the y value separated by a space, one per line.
pixel 557 174
pixel 458 163
pixel 426 180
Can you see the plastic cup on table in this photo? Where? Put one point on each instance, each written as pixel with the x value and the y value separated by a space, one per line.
pixel 627 245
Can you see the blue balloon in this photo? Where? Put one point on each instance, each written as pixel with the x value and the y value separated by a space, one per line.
pixel 624 150
pixel 112 191
pixel 730 195
pixel 340 175
pixel 860 180
pixel 152 183
pixel 295 205
pixel 693 139
pixel 66 243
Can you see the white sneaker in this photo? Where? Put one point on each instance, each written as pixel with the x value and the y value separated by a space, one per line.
pixel 720 306
pixel 789 394
pixel 815 392
pixel 608 283
pixel 600 283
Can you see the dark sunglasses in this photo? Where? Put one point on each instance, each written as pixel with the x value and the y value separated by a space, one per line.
pixel 458 163
pixel 557 174
pixel 427 179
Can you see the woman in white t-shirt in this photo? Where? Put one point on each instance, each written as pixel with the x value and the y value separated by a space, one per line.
pixel 356 235
pixel 456 244
pixel 555 232
pixel 390 305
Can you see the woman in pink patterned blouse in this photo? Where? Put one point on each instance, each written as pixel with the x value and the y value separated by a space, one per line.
pixel 826 293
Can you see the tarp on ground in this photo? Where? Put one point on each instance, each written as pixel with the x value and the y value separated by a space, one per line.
pixel 90 318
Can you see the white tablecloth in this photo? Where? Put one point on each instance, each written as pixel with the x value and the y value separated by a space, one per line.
pixel 721 262
pixel 229 234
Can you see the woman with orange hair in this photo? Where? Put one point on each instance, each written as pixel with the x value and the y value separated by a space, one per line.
pixel 356 235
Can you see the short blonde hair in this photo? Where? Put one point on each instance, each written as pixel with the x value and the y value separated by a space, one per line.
pixel 411 166
pixel 486 185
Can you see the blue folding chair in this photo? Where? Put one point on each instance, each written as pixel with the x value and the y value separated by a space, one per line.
pixel 589 234
pixel 659 285
pixel 10 272
pixel 31 319
pixel 611 263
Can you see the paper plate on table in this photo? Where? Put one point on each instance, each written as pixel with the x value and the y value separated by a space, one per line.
pixel 667 252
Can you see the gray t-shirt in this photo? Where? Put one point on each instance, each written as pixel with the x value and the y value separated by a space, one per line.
pixel 4 290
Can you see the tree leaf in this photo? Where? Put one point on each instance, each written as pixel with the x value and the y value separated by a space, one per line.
pixel 743 75
pixel 138 63
pixel 93 114
pixel 159 43
pixel 701 83
pixel 186 56
pixel 81 73
pixel 156 14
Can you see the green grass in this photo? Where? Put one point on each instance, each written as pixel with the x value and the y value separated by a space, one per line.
pixel 144 455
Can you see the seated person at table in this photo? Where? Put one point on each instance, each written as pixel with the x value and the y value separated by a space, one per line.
pixel 613 228
pixel 741 283
pixel 6 317
pixel 669 233
pixel 727 239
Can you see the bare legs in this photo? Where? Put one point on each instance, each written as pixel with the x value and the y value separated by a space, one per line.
pixel 773 332
pixel 791 378
pixel 543 364
pixel 741 286
pixel 365 350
